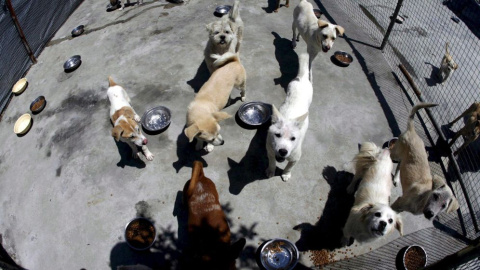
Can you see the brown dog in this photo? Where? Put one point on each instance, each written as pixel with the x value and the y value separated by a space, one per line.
pixel 471 130
pixel 208 230
pixel 278 5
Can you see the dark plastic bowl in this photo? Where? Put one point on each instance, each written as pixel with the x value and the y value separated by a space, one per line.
pixel 342 58
pixel 38 104
pixel 77 31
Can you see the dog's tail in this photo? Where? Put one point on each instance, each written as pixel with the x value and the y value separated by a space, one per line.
pixel 303 71
pixel 366 157
pixel 197 173
pixel 234 12
pixel 111 82
pixel 446 48
pixel 411 125
pixel 222 60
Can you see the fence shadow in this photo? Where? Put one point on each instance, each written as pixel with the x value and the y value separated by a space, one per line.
pixel 328 231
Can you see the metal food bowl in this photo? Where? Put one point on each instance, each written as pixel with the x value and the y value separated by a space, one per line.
pixel 254 113
pixel 72 63
pixel 140 233
pixel 342 58
pixel 278 254
pixel 156 119
pixel 414 257
pixel 318 13
pixel 23 124
pixel 38 104
pixel 223 9
pixel 20 86
pixel 77 31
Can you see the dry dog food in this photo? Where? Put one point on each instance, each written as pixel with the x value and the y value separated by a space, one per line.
pixel 140 234
pixel 342 58
pixel 37 105
pixel 414 258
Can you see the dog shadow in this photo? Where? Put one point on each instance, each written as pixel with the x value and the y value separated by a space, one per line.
pixel 200 78
pixel 433 80
pixel 328 231
pixel 252 166
pixel 186 153
pixel 272 5
pixel 287 59
pixel 126 158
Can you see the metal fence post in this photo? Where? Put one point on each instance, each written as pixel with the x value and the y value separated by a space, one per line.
pixel 392 22
pixel 20 31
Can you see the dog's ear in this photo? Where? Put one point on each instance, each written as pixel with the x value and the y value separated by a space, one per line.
pixel 209 27
pixel 340 30
pixel 438 182
pixel 220 116
pixel 399 224
pixel 276 115
pixel 453 205
pixel 236 248
pixel 299 120
pixel 322 24
pixel 191 132
pixel 117 132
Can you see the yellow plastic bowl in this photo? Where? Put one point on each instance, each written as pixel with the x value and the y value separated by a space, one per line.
pixel 23 124
pixel 20 86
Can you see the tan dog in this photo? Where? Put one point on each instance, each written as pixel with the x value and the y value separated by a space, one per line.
pixel 278 5
pixel 447 66
pixel 204 111
pixel 208 230
pixel 125 120
pixel 371 216
pixel 318 34
pixel 471 131
pixel 422 193
pixel 224 35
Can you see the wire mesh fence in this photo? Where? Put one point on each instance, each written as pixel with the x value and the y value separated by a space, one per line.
pixel 38 20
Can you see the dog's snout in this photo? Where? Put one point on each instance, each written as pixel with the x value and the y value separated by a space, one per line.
pixel 145 141
pixel 283 152
pixel 222 37
pixel 383 224
pixel 428 214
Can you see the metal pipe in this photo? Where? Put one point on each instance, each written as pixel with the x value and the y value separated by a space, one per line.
pixel 20 31
pixel 452 160
pixel 392 22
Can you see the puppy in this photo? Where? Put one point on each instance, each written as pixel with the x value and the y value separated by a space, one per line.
pixel 204 111
pixel 139 2
pixel 290 123
pixel 208 231
pixel 125 120
pixel 371 216
pixel 318 34
pixel 447 66
pixel 471 131
pixel 225 35
pixel 278 5
pixel 422 193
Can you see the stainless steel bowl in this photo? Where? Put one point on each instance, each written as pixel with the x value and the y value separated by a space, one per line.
pixel 72 63
pixel 254 113
pixel 140 233
pixel 156 119
pixel 77 31
pixel 414 258
pixel 223 9
pixel 279 253
pixel 342 58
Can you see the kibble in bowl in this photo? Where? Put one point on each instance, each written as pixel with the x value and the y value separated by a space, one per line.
pixel 414 258
pixel 342 58
pixel 140 233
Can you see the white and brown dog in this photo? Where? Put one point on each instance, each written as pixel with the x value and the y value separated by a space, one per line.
pixel 318 34
pixel 125 120
pixel 139 2
pixel 423 193
pixel 290 123
pixel 447 66
pixel 204 112
pixel 371 216
pixel 471 130
pixel 225 35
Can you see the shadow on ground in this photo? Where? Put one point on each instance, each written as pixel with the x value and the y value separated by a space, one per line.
pixel 327 232
pixel 287 60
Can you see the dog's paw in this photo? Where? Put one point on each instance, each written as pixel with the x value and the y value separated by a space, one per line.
pixel 294 44
pixel 243 99
pixel 270 173
pixel 209 147
pixel 286 177
pixel 137 118
pixel 149 155
pixel 276 10
pixel 350 189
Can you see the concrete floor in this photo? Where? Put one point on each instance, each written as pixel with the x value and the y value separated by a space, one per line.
pixel 68 189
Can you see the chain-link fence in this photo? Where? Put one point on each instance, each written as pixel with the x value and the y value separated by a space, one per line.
pixel 414 49
pixel 38 20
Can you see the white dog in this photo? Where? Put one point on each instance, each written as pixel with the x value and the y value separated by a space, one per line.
pixel 423 193
pixel 447 66
pixel 204 112
pixel 139 2
pixel 225 35
pixel 318 34
pixel 371 216
pixel 290 123
pixel 125 120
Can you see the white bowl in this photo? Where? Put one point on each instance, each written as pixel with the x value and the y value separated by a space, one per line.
pixel 23 124
pixel 20 86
